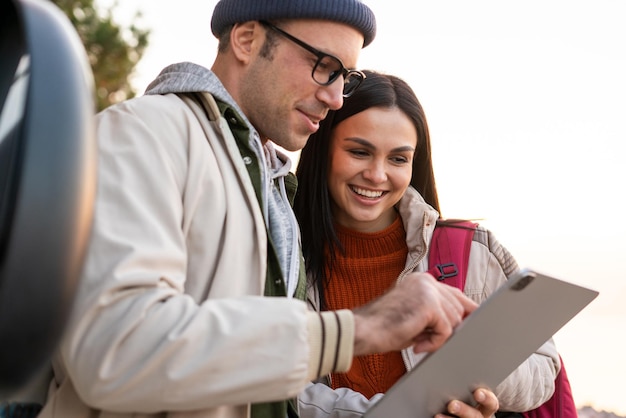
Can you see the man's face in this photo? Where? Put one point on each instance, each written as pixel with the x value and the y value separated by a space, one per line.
pixel 278 93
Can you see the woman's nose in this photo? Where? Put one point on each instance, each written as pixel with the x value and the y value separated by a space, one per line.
pixel 375 172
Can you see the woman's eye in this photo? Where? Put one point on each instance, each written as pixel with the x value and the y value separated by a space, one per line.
pixel 359 153
pixel 400 160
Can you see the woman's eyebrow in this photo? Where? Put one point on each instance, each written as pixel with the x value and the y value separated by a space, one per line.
pixel 368 144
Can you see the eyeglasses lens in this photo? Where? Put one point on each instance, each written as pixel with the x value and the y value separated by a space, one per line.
pixel 327 69
pixel 351 83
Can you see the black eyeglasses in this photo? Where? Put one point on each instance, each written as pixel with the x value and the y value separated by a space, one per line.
pixel 327 68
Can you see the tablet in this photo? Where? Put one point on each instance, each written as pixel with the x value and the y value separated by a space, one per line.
pixel 487 346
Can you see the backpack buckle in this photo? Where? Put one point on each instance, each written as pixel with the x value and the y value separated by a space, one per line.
pixel 446 271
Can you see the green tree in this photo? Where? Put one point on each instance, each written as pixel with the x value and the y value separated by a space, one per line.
pixel 113 51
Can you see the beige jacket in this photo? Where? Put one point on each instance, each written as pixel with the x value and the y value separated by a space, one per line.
pixel 169 319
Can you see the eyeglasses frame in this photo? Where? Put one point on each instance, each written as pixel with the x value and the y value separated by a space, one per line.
pixel 345 72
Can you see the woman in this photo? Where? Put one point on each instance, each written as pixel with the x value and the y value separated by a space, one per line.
pixel 367 205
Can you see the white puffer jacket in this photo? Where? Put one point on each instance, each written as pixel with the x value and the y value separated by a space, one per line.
pixel 490 264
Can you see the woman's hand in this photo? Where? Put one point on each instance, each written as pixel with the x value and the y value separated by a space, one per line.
pixel 487 406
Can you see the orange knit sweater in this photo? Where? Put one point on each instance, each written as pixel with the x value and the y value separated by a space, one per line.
pixel 370 265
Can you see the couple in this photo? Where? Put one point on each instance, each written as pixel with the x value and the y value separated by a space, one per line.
pixel 191 303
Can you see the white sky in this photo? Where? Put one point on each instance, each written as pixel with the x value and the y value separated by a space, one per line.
pixel 526 104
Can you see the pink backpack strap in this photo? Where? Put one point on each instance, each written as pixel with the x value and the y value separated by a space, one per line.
pixel 561 404
pixel 449 251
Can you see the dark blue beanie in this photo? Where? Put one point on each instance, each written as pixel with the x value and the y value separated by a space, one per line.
pixel 350 12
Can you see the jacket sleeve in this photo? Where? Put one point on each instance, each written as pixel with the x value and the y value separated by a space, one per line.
pixel 532 383
pixel 320 401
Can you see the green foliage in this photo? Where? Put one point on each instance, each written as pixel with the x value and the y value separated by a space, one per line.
pixel 113 51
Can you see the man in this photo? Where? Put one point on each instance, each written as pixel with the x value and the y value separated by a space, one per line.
pixel 190 302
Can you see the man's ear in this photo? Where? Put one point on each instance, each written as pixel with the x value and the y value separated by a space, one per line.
pixel 246 39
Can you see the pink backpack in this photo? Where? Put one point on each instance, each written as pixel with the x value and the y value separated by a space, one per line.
pixel 448 261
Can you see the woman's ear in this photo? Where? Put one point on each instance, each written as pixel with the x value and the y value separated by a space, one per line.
pixel 246 39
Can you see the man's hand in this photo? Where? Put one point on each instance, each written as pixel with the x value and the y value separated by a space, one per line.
pixel 487 406
pixel 418 312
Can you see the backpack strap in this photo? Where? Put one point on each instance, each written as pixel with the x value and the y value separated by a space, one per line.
pixel 448 256
pixel 561 404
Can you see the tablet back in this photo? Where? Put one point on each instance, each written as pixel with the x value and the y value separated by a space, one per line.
pixel 491 343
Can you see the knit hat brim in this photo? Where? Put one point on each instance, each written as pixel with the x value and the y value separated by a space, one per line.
pixel 350 12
